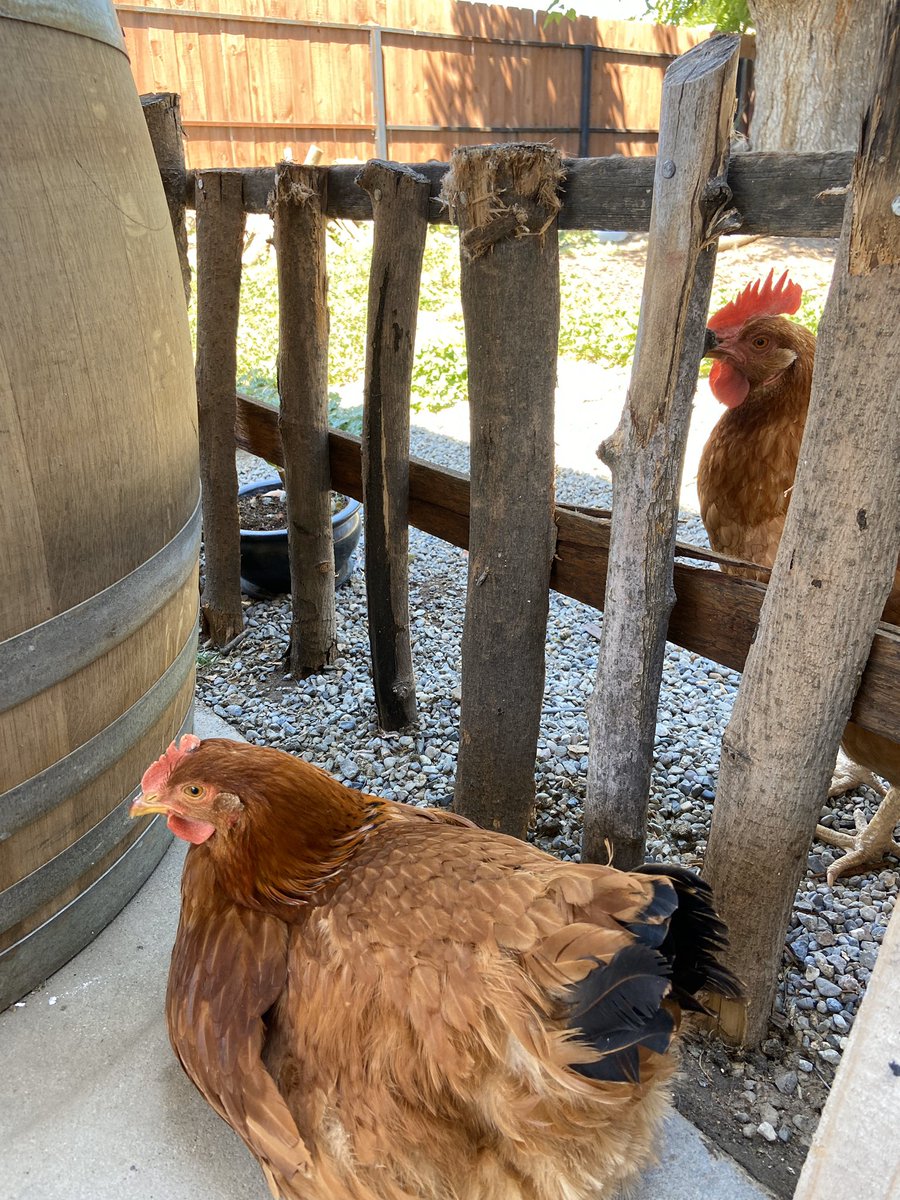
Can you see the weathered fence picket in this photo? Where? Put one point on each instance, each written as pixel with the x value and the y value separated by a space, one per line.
pixel 303 415
pixel 505 201
pixel 646 452
pixel 400 207
pixel 162 112
pixel 832 575
pixel 220 244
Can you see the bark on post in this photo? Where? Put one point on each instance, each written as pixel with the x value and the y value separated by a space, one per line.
pixel 298 204
pixel 646 452
pixel 400 200
pixel 505 201
pixel 220 242
pixel 829 583
pixel 162 112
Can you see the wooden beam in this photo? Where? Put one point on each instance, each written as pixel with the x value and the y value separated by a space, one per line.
pixel 779 195
pixel 715 615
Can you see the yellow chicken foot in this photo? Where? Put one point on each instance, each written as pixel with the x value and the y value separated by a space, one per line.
pixel 849 775
pixel 871 842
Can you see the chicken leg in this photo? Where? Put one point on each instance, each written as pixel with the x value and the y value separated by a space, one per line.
pixel 871 842
pixel 849 775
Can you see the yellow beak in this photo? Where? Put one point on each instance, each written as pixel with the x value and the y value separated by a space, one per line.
pixel 146 804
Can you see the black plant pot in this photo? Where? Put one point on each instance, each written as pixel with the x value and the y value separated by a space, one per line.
pixel 265 566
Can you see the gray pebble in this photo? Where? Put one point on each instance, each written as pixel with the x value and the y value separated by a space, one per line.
pixel 826 988
pixel 786 1082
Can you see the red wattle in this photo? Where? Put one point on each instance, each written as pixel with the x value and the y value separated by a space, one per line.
pixel 191 831
pixel 728 384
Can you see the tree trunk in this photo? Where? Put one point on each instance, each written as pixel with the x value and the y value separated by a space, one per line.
pixel 505 201
pixel 814 64
pixel 646 452
pixel 220 242
pixel 400 207
pixel 833 572
pixel 303 417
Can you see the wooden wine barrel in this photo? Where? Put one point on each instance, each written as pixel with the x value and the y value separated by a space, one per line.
pixel 98 484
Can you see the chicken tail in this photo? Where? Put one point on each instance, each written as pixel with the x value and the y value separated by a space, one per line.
pixel 618 1010
pixel 692 940
pixel 618 1007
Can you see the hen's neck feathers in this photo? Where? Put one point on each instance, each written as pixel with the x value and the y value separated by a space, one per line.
pixel 785 400
pixel 298 828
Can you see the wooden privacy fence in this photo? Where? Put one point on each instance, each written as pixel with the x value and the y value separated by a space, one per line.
pixel 508 202
pixel 263 81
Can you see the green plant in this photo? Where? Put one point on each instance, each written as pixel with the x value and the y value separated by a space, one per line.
pixel 556 11
pixel 726 15
pixel 348 419
pixel 440 376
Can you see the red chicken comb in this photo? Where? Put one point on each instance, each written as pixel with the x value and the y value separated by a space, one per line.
pixel 158 772
pixel 762 298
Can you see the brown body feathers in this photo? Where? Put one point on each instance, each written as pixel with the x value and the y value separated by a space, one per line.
pixel 388 1003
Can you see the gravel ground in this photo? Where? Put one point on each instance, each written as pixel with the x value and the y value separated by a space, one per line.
pixel 762 1107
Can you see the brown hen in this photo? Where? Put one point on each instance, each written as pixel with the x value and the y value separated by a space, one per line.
pixel 763 375
pixel 388 1003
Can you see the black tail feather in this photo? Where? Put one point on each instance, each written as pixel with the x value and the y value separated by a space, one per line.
pixel 617 1009
pixel 694 940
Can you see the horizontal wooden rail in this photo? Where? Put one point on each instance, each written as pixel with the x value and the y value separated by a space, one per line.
pixel 369 127
pixel 454 35
pixel 779 195
pixel 714 615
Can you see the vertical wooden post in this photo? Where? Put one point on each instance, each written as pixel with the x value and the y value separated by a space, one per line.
pixel 504 199
pixel 220 243
pixel 162 112
pixel 400 206
pixel 299 203
pixel 646 452
pixel 832 574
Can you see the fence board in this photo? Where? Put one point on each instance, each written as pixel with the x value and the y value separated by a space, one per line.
pixel 254 75
pixel 776 194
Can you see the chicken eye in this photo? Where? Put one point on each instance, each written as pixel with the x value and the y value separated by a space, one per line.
pixel 760 342
pixel 193 789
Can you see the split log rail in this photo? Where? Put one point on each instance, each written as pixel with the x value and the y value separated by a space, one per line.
pixel 512 463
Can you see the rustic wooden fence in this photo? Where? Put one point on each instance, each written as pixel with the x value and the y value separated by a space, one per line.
pixel 508 202
pixel 263 81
